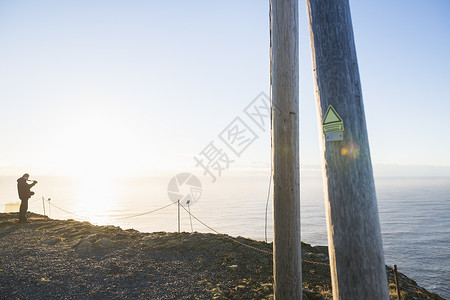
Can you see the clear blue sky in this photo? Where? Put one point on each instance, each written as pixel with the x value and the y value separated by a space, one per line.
pixel 134 86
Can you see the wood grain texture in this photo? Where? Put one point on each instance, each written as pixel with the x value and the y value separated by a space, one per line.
pixel 354 235
pixel 285 139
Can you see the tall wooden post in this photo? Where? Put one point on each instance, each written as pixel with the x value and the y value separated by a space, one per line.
pixel 285 141
pixel 354 236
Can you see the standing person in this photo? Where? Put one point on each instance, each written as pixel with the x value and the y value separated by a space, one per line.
pixel 23 188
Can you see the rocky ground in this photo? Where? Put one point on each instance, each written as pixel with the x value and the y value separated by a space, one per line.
pixel 57 259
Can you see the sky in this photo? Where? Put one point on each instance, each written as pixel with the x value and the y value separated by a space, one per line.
pixel 137 87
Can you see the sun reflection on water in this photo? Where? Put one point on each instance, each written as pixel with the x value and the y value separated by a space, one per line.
pixel 96 199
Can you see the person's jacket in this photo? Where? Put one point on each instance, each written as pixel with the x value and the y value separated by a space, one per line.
pixel 24 188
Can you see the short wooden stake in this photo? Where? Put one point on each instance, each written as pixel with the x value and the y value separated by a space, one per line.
pixel 43 204
pixel 178 216
pixel 190 217
pixel 397 285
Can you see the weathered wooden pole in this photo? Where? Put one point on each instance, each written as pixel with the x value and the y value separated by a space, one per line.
pixel 354 235
pixel 285 141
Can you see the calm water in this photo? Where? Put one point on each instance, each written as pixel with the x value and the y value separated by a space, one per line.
pixel 413 212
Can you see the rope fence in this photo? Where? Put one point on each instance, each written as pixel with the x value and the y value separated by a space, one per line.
pixel 241 243
pixel 145 213
pixel 66 211
pixel 233 239
pixel 117 218
pixel 34 200
pixel 230 238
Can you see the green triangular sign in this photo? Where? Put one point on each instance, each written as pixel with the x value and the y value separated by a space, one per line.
pixel 331 116
pixel 332 122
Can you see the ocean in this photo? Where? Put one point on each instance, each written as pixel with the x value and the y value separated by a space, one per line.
pixel 414 212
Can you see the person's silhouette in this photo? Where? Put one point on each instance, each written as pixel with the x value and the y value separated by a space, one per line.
pixel 23 188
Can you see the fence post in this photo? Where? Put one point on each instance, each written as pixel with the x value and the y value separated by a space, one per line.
pixel 178 216
pixel 43 204
pixel 397 285
pixel 190 217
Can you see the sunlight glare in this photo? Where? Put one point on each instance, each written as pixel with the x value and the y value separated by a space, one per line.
pixel 351 150
pixel 96 197
pixel 99 141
